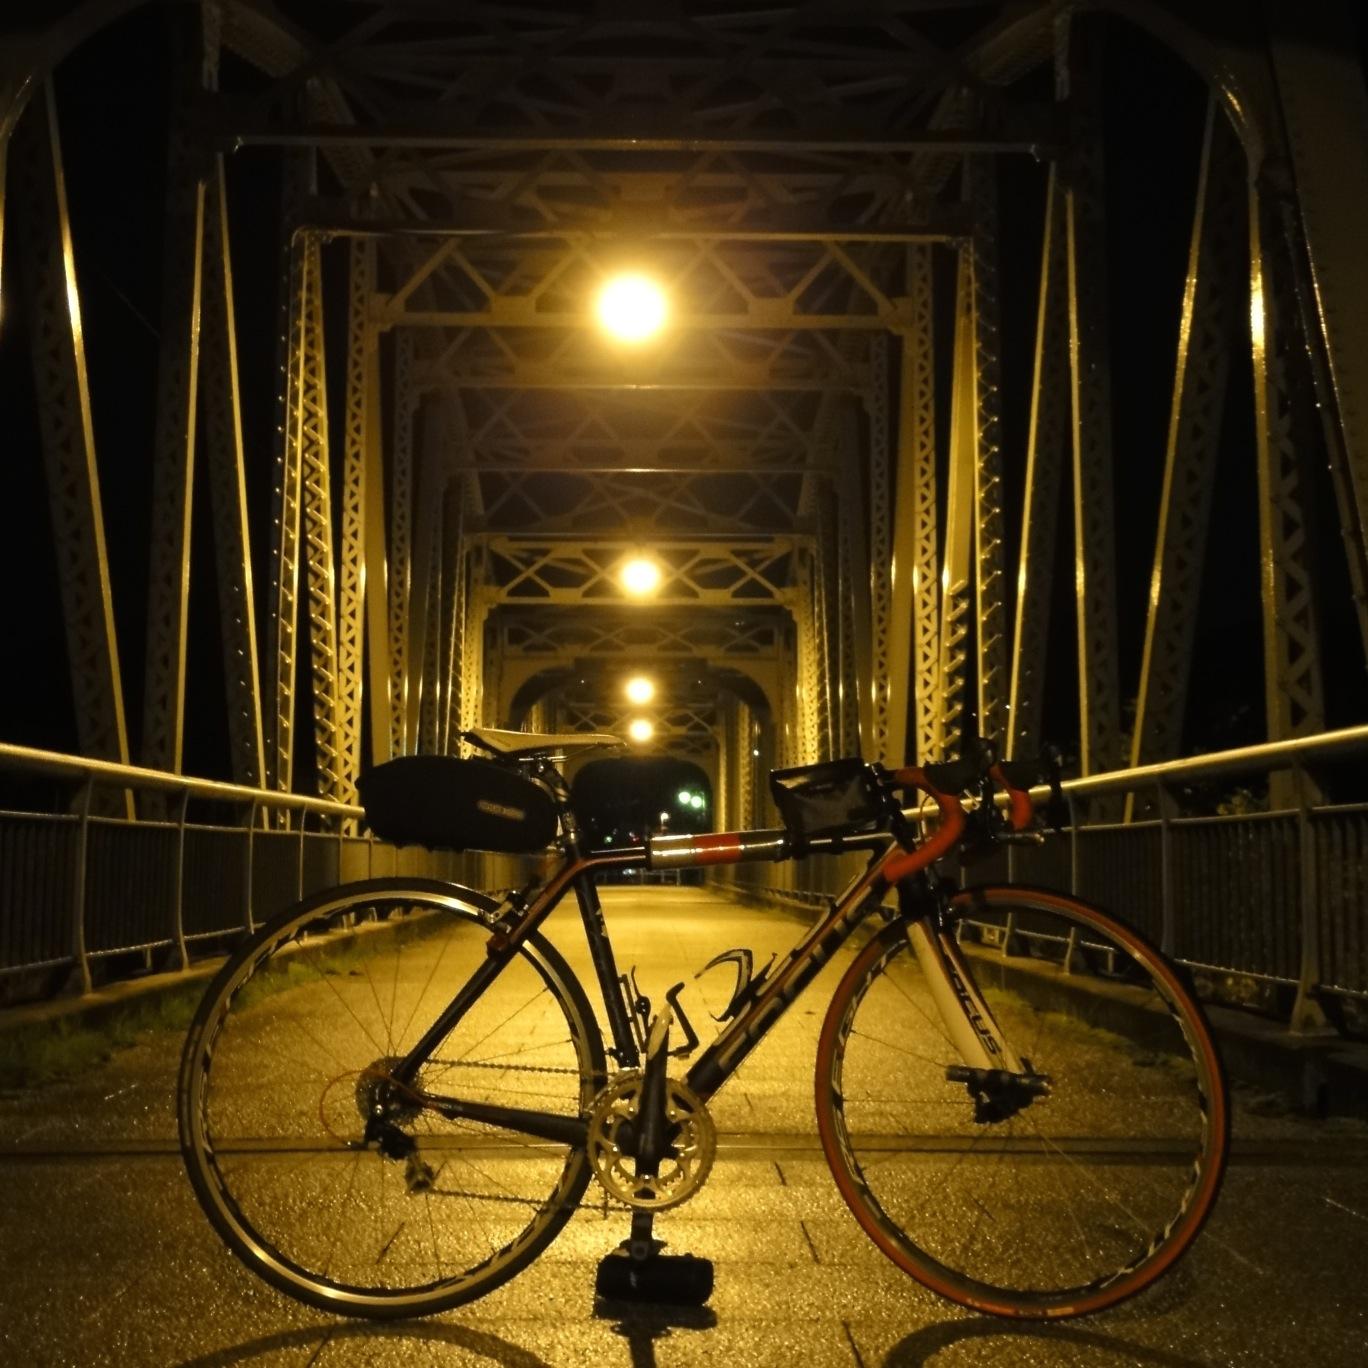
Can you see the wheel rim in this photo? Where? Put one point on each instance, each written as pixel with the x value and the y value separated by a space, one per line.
pixel 299 1045
pixel 1081 1198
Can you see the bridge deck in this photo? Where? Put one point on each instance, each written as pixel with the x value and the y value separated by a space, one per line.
pixel 106 1259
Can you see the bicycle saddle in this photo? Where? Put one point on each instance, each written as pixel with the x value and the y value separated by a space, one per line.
pixel 517 743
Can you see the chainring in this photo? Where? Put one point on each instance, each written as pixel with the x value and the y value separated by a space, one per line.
pixel 687 1159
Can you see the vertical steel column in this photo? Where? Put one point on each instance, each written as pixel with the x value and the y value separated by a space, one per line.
pixel 853 678
pixel 425 588
pixel 808 732
pixel 1324 102
pixel 914 648
pixel 228 491
pixel 357 454
pixel 1079 74
pixel 316 484
pixel 956 587
pixel 1293 694
pixel 1046 442
pixel 989 556
pixel 59 372
pixel 283 623
pixel 451 666
pixel 193 66
pixel 401 523
pixel 375 570
pixel 882 663
pixel 1207 328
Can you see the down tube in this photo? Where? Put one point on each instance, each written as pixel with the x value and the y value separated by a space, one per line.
pixel 802 964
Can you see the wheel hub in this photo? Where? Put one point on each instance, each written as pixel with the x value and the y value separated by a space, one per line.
pixel 380 1098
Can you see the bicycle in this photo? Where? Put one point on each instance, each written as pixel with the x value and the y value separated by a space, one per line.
pixel 1018 1097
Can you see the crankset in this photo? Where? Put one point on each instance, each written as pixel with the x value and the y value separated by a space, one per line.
pixel 688 1143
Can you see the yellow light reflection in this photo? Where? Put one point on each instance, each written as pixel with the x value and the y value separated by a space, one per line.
pixel 639 689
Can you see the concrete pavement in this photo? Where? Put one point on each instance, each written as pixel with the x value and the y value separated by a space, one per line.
pixel 105 1258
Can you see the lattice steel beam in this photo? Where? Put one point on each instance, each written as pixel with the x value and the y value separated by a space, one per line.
pixel 914 642
pixel 878 685
pixel 1293 690
pixel 228 488
pixel 1047 441
pixel 59 370
pixel 558 634
pixel 194 67
pixel 990 577
pixel 400 538
pixel 738 572
pixel 957 596
pixel 1079 73
pixel 1212 300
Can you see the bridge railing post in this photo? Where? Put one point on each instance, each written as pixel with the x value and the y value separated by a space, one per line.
pixel 80 959
pixel 249 869
pixel 1167 805
pixel 1308 1016
pixel 178 885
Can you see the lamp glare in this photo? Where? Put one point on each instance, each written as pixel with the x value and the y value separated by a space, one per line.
pixel 640 689
pixel 640 576
pixel 640 729
pixel 631 308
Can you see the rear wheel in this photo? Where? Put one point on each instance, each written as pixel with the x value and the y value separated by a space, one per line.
pixel 1072 1201
pixel 290 1058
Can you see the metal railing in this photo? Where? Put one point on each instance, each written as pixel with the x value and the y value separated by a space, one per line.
pixel 1269 909
pixel 79 885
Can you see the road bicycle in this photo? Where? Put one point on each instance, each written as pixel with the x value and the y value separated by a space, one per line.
pixel 396 1093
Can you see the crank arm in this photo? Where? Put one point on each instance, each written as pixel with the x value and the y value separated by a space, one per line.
pixel 563 1130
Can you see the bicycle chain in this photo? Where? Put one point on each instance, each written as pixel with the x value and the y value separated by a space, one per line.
pixel 489 1064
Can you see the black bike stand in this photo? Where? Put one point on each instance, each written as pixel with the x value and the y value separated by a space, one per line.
pixel 636 1271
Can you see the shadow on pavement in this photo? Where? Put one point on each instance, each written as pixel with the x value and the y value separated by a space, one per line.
pixel 922 1346
pixel 641 1325
pixel 479 1342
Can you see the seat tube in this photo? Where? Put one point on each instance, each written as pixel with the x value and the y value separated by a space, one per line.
pixel 605 968
pixel 968 1021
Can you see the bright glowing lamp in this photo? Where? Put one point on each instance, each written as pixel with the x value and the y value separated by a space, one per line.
pixel 631 308
pixel 639 689
pixel 640 576
pixel 640 729
pixel 697 801
pixel 685 797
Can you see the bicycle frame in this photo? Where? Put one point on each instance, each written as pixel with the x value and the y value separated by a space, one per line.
pixel 968 1021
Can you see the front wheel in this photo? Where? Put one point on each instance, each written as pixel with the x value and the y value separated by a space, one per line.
pixel 1054 1205
pixel 343 1185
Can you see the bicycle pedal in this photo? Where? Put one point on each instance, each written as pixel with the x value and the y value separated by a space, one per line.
pixel 667 1279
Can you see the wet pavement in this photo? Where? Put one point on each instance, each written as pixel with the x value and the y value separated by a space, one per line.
pixel 105 1257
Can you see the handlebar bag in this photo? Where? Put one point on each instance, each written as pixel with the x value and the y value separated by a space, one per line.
pixel 817 800
pixel 445 803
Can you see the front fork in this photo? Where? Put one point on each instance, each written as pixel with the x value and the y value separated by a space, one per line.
pixel 999 1081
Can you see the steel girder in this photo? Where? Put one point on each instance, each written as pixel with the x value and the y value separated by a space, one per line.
pixel 957 590
pixel 1047 440
pixel 913 651
pixel 1284 424
pixel 59 368
pixel 991 675
pixel 1323 100
pixel 194 64
pixel 1079 72
pixel 878 684
pixel 1209 326
pixel 400 539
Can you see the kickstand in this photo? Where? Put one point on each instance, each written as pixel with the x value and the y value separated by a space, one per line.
pixel 637 1271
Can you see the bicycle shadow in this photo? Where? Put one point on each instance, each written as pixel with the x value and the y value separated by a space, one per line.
pixel 922 1346
pixel 641 1324
pixel 263 1350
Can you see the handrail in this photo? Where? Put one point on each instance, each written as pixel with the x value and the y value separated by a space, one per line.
pixel 1267 755
pixel 111 772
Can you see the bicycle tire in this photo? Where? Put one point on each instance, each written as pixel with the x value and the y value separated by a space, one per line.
pixel 285 1055
pixel 1082 1198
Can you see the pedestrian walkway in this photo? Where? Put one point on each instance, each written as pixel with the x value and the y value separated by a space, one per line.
pixel 105 1259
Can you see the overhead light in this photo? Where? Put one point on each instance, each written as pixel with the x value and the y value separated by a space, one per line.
pixel 639 689
pixel 640 729
pixel 697 801
pixel 685 797
pixel 639 576
pixel 631 307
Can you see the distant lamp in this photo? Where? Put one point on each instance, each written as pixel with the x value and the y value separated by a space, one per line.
pixel 640 576
pixel 696 801
pixel 640 729
pixel 639 689
pixel 685 797
pixel 631 308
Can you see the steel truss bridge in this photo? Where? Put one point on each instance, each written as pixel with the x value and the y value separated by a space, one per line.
pixel 880 523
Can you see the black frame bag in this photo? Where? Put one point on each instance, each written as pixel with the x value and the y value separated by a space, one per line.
pixel 817 800
pixel 445 803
